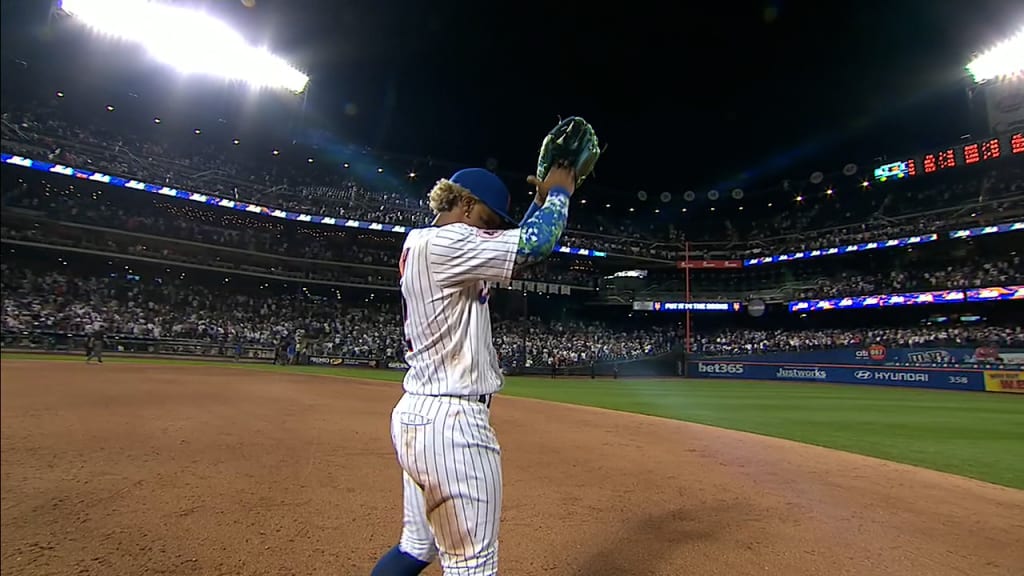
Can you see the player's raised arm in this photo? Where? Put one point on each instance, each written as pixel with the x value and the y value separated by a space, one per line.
pixel 470 244
pixel 545 219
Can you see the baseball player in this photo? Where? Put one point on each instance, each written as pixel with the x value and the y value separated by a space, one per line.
pixel 450 457
pixel 94 346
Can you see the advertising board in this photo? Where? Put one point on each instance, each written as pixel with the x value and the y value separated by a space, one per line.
pixel 340 361
pixel 1004 381
pixel 944 378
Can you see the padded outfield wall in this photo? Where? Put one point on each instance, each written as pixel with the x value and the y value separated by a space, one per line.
pixel 975 369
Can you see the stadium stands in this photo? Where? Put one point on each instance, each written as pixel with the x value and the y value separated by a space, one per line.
pixel 322 188
pixel 84 214
pixel 186 308
pixel 738 342
pixel 183 307
pixel 191 270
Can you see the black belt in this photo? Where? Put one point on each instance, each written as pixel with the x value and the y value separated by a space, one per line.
pixel 484 399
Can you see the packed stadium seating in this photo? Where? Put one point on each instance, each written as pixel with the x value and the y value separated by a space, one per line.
pixel 70 214
pixel 818 220
pixel 979 262
pixel 737 342
pixel 153 302
pixel 126 305
pixel 191 271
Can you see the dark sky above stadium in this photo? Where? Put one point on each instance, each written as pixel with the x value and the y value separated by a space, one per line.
pixel 688 95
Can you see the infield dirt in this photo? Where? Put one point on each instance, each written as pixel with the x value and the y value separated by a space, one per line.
pixel 139 469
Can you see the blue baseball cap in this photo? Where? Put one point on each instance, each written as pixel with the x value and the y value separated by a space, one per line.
pixel 488 188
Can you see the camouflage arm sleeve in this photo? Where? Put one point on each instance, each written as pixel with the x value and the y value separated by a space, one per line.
pixel 529 213
pixel 540 232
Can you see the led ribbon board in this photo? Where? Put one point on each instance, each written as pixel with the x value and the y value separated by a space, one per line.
pixel 864 246
pixel 991 294
pixel 658 306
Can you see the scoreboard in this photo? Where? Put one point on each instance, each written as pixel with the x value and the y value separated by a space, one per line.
pixel 960 155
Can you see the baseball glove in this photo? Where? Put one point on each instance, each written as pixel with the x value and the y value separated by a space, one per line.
pixel 573 143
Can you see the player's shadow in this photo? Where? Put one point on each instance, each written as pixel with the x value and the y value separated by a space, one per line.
pixel 641 547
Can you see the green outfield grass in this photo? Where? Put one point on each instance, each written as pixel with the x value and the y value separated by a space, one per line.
pixel 974 434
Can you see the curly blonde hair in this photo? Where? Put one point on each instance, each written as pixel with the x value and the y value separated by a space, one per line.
pixel 446 195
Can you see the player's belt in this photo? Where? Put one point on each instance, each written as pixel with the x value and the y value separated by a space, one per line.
pixel 484 399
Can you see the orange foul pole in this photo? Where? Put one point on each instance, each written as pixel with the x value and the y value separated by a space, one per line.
pixel 687 272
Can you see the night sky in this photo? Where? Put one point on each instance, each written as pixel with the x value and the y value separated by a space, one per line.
pixel 693 95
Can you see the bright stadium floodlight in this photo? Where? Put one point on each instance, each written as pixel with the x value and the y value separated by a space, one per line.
pixel 188 40
pixel 1004 60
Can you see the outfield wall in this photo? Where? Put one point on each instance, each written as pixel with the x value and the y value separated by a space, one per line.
pixel 951 378
pixel 960 371
pixel 949 368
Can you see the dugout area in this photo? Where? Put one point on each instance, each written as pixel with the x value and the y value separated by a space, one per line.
pixel 135 469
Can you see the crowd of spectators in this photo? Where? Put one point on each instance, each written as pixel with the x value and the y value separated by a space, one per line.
pixel 983 262
pixel 123 210
pixel 172 309
pixel 875 215
pixel 860 216
pixel 538 343
pixel 332 248
pixel 202 256
pixel 1006 271
pixel 737 342
pixel 178 309
pixel 224 228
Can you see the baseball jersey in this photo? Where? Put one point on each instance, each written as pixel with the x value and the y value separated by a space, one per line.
pixel 444 273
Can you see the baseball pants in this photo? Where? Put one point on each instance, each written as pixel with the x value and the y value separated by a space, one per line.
pixel 451 464
pixel 96 352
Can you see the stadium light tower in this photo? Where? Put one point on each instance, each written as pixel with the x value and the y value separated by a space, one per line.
pixel 1003 61
pixel 188 40
pixel 998 86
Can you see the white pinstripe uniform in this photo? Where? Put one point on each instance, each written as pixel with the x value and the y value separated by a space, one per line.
pixel 441 430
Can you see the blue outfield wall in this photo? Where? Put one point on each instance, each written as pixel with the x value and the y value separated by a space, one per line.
pixel 918 377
